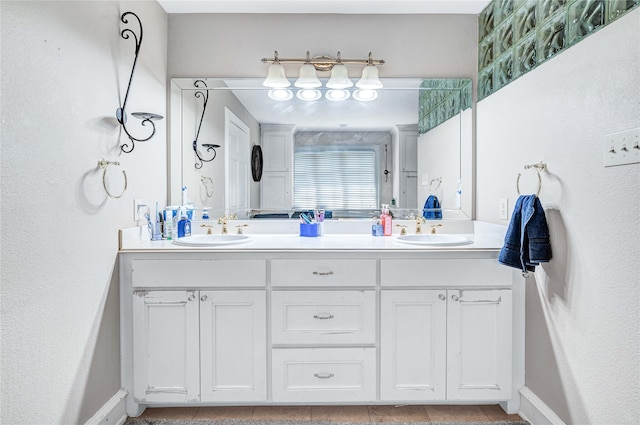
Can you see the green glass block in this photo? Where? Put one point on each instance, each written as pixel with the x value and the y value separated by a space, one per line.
pixel 502 9
pixel 550 38
pixel 524 20
pixel 617 8
pixel 467 95
pixel 485 83
pixel 547 8
pixel 524 55
pixel 485 52
pixel 485 22
pixel 583 17
pixel 503 38
pixel 503 71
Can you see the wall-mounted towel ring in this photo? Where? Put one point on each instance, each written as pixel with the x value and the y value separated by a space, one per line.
pixel 104 164
pixel 540 166
pixel 207 182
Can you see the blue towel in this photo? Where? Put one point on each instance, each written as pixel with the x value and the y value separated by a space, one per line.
pixel 526 243
pixel 431 209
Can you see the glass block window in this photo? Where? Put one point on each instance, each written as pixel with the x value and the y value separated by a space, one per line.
pixel 516 36
pixel 335 179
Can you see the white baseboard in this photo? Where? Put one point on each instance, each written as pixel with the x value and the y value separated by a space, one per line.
pixel 112 413
pixel 535 411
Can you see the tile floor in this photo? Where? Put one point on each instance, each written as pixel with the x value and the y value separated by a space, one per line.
pixel 340 414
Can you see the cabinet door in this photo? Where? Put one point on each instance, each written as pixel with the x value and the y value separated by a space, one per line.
pixel 233 345
pixel 413 345
pixel 479 337
pixel 165 346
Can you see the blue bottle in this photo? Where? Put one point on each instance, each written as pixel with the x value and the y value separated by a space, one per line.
pixel 184 224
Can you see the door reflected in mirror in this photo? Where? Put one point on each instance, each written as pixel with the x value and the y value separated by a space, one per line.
pixel 407 145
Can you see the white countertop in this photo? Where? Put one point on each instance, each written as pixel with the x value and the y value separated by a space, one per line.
pixel 485 237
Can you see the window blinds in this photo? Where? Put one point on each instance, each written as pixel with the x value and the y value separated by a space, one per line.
pixel 335 179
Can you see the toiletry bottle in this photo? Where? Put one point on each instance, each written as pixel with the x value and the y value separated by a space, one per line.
pixel 168 223
pixel 385 217
pixel 184 224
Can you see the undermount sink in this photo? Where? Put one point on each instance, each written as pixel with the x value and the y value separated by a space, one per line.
pixel 434 239
pixel 212 240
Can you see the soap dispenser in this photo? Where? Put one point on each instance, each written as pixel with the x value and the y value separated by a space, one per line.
pixel 184 224
pixel 386 219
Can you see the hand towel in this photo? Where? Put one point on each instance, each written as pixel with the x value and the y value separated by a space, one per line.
pixel 431 209
pixel 526 243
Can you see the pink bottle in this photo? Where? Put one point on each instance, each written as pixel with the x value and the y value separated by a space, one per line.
pixel 385 218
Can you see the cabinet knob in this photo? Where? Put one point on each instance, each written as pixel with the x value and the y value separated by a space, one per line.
pixel 323 316
pixel 323 375
pixel 191 296
pixel 203 298
pixel 322 273
pixel 454 297
pixel 442 297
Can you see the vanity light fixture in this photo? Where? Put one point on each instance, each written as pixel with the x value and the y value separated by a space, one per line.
pixel 121 115
pixel 210 147
pixel 308 82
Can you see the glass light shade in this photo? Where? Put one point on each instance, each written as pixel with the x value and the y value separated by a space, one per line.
pixel 275 77
pixel 280 94
pixel 307 78
pixel 339 78
pixel 337 95
pixel 308 94
pixel 369 78
pixel 365 95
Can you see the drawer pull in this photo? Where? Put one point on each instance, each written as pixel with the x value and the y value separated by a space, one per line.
pixel 324 375
pixel 323 316
pixel 322 273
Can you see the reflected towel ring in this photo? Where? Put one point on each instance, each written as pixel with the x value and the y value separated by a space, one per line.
pixel 104 164
pixel 437 180
pixel 540 166
pixel 206 181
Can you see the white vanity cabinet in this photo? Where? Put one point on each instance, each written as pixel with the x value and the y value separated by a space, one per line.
pixel 193 346
pixel 243 326
pixel 166 346
pixel 445 345
pixel 323 321
pixel 413 345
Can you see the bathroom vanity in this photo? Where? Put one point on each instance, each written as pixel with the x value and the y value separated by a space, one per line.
pixel 339 319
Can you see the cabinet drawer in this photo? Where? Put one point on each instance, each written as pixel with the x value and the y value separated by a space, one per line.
pixel 318 317
pixel 198 273
pixel 323 272
pixel 324 374
pixel 444 272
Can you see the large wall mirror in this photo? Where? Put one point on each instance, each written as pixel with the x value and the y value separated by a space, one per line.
pixel 237 148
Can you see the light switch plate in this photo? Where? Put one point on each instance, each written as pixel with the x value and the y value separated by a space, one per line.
pixel 622 148
pixel 425 179
pixel 136 209
pixel 504 209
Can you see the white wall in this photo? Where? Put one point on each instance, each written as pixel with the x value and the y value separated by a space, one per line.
pixel 412 45
pixel 583 308
pixel 64 70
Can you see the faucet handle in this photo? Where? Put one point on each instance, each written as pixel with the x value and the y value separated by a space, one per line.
pixel 403 229
pixel 240 226
pixel 433 228
pixel 209 228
